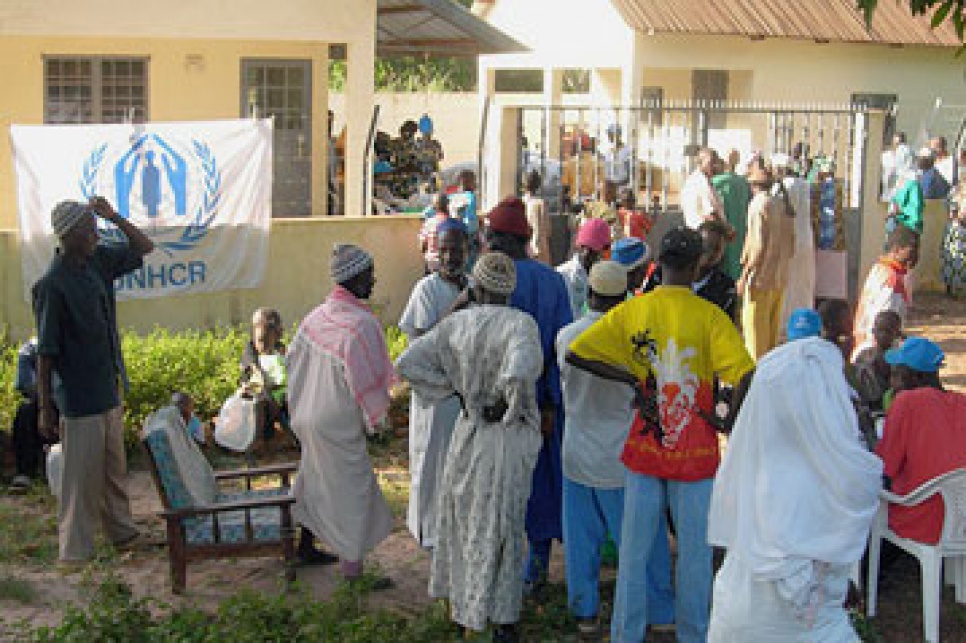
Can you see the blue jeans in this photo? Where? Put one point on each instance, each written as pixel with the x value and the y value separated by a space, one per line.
pixel 589 514
pixel 645 503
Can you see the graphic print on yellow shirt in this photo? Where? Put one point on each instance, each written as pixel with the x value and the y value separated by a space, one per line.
pixel 680 342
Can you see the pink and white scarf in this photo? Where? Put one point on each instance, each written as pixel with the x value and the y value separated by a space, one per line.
pixel 347 329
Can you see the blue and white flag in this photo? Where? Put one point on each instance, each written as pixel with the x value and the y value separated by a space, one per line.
pixel 202 192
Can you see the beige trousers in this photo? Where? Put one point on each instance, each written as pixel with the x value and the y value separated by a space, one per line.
pixel 94 484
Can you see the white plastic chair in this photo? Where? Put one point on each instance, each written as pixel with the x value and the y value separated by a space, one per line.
pixel 952 544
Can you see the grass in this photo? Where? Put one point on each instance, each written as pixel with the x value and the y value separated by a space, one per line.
pixel 17 590
pixel 28 528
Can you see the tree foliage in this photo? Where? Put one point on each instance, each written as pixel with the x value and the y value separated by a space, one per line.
pixel 414 74
pixel 942 11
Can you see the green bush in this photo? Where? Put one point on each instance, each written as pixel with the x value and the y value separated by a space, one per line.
pixel 202 363
pixel 9 398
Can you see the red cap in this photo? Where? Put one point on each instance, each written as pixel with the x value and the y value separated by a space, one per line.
pixel 510 216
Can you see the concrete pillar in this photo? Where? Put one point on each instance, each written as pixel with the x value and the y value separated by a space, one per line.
pixel 502 157
pixel 872 215
pixel 552 95
pixel 359 101
pixel 320 133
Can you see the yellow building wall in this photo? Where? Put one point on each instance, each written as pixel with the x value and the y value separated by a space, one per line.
pixel 297 278
pixel 205 86
pixel 806 72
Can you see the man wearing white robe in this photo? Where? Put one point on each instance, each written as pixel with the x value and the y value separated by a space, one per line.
pixel 490 355
pixel 339 379
pixel 431 424
pixel 792 503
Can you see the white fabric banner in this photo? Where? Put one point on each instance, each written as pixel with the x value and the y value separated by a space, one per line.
pixel 201 190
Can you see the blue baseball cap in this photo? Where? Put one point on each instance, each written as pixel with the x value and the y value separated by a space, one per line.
pixel 917 353
pixel 426 124
pixel 804 322
pixel 629 252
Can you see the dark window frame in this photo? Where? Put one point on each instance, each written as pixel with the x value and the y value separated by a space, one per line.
pixel 110 81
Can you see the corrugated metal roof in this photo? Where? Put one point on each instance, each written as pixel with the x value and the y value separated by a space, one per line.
pixel 822 20
pixel 439 27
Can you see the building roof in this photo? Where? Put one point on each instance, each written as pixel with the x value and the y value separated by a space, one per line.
pixel 437 27
pixel 819 20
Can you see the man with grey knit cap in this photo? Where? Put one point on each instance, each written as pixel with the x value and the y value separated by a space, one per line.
pixel 339 374
pixel 76 317
pixel 489 355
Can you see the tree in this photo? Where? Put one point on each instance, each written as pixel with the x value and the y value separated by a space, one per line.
pixel 942 11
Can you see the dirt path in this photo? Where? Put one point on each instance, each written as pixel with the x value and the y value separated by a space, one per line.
pixel 209 583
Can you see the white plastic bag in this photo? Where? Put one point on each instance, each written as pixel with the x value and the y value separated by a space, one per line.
pixel 55 469
pixel 235 425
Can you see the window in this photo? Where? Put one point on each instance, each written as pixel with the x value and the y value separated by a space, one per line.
pixel 95 90
pixel 887 102
pixel 518 81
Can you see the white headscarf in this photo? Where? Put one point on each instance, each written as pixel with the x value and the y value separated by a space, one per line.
pixel 797 486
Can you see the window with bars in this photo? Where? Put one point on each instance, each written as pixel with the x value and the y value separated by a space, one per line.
pixel 95 89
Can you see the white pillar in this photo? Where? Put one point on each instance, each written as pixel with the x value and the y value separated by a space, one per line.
pixel 552 96
pixel 359 101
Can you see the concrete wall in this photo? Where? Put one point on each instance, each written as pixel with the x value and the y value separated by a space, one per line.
pixel 177 91
pixel 296 281
pixel 811 73
pixel 221 33
pixel 456 118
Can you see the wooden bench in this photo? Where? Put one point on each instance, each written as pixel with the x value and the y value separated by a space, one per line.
pixel 234 524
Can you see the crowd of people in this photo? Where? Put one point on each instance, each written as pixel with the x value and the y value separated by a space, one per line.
pixel 582 404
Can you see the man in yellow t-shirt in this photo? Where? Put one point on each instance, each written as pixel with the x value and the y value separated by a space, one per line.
pixel 674 343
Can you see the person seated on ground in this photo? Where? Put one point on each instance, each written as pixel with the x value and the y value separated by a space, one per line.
pixel 778 506
pixel 593 241
pixel 429 233
pixel 635 257
pixel 873 373
pixel 924 436
pixel 27 440
pixel 886 287
pixel 263 372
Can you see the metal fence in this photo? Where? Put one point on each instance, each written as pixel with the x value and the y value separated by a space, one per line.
pixel 571 146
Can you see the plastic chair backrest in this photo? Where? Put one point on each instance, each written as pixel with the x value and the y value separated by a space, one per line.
pixel 952 486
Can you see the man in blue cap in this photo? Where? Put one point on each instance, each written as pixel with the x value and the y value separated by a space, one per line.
pixel 924 436
pixel 634 255
pixel 802 323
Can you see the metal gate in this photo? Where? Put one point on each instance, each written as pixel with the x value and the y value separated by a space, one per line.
pixel 571 146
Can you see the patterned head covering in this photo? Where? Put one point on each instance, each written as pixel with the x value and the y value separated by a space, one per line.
pixel 609 279
pixel 496 272
pixel 66 215
pixel 348 261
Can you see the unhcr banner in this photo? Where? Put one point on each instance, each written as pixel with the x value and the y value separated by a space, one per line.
pixel 201 191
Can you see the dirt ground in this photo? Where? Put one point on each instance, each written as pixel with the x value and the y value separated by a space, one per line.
pixel 146 570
